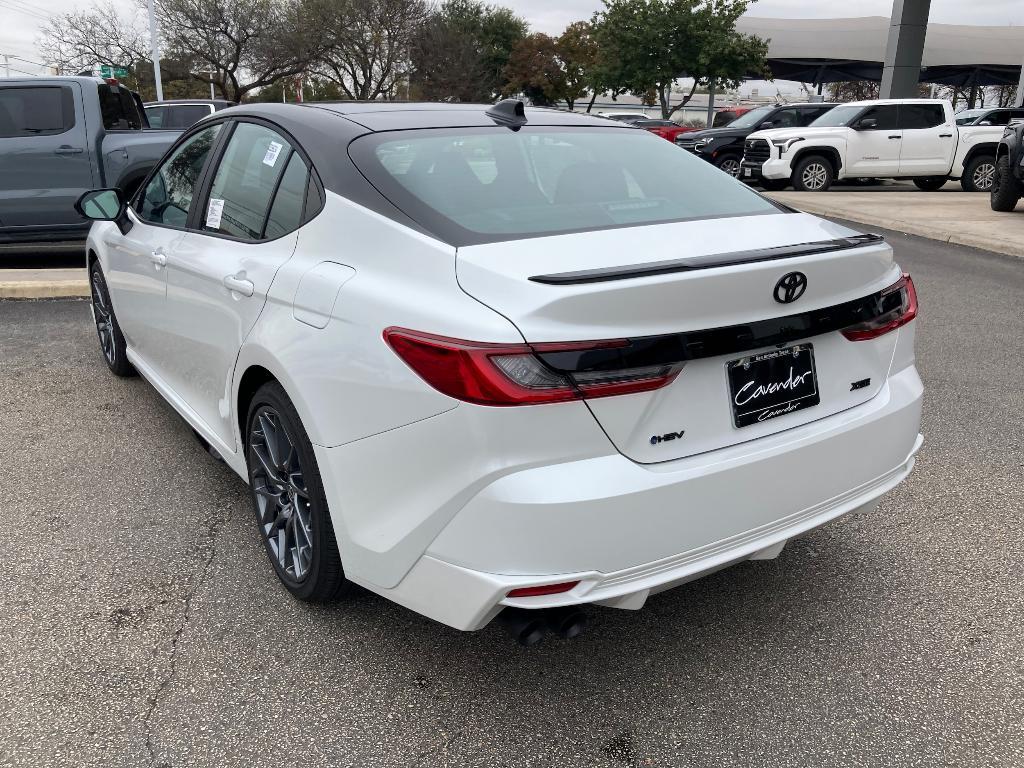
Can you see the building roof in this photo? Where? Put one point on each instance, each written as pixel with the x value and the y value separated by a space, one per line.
pixel 829 50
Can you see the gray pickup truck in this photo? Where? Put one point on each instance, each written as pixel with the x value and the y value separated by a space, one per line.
pixel 61 136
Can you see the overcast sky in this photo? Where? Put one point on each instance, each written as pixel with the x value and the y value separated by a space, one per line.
pixel 22 19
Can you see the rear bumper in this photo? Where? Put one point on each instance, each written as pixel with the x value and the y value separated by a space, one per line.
pixel 625 530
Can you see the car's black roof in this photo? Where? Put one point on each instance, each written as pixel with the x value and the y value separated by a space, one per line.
pixel 325 129
pixel 392 115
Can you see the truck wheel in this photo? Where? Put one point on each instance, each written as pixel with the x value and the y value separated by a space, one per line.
pixel 979 174
pixel 813 173
pixel 1005 192
pixel 930 183
pixel 730 164
pixel 774 185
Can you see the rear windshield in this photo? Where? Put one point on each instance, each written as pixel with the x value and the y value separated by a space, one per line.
pixel 472 185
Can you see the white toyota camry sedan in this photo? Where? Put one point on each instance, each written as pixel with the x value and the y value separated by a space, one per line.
pixel 490 360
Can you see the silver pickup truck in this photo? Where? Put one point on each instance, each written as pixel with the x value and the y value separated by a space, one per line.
pixel 60 136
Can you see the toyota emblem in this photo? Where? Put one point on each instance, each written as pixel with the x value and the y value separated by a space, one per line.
pixel 790 287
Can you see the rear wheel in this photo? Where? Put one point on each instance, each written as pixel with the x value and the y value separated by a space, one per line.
pixel 112 343
pixel 288 497
pixel 1005 192
pixel 730 164
pixel 979 174
pixel 813 173
pixel 930 183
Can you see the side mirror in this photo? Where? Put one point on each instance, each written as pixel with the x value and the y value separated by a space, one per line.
pixel 101 205
pixel 867 124
pixel 985 122
pixel 767 124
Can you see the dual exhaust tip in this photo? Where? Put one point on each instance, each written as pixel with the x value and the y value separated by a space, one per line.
pixel 529 627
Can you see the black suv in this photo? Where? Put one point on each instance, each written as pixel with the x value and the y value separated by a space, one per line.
pixel 1008 184
pixel 723 147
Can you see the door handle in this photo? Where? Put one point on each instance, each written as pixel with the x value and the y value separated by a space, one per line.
pixel 239 285
pixel 895 137
pixel 945 135
pixel 159 258
pixel 65 150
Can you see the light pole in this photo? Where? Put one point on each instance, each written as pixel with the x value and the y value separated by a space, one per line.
pixel 154 47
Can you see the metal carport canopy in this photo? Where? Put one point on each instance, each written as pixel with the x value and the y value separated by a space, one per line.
pixel 831 50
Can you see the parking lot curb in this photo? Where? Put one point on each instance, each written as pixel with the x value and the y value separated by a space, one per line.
pixel 971 240
pixel 43 289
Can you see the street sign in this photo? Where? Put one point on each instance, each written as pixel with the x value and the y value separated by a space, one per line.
pixel 108 71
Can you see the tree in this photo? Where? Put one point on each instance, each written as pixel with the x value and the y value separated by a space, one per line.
pixel 368 44
pixel 549 70
pixel 99 35
pixel 852 90
pixel 242 45
pixel 535 70
pixel 649 44
pixel 461 51
pixel 579 54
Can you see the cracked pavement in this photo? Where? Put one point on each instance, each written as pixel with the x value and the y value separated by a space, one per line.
pixel 141 624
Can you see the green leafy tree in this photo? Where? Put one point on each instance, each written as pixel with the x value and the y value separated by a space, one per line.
pixel 649 44
pixel 462 50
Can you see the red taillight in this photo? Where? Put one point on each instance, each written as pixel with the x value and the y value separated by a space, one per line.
pixel 544 589
pixel 513 374
pixel 903 296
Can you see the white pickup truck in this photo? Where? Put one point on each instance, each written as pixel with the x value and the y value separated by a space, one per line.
pixel 883 138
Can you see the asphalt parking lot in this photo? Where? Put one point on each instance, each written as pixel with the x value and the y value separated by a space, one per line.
pixel 142 624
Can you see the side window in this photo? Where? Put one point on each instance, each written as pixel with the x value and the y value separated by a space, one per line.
pixel 118 108
pixel 918 116
pixel 184 115
pixel 286 211
pixel 245 182
pixel 999 117
pixel 885 115
pixel 36 111
pixel 786 118
pixel 808 116
pixel 168 195
pixel 155 115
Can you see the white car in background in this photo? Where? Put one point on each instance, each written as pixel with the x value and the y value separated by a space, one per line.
pixel 434 342
pixel 915 139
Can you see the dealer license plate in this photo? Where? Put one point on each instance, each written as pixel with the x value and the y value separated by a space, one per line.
pixel 772 384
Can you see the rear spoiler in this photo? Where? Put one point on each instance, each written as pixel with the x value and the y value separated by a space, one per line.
pixel 708 261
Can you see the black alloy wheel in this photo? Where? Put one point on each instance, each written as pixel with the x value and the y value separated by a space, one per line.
pixel 112 343
pixel 289 501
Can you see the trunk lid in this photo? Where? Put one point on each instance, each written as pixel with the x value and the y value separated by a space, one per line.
pixel 735 292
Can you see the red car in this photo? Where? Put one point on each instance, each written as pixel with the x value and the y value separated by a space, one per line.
pixel 664 128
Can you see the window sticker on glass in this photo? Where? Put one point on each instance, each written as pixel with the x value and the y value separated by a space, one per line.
pixel 213 213
pixel 272 152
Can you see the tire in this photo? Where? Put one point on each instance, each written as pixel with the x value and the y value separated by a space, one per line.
pixel 288 499
pixel 979 174
pixel 1005 192
pixel 930 183
pixel 774 185
pixel 112 343
pixel 729 163
pixel 813 173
